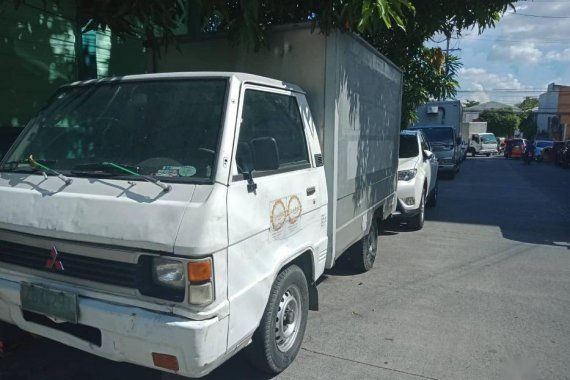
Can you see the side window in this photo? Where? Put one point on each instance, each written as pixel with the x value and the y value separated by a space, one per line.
pixel 272 115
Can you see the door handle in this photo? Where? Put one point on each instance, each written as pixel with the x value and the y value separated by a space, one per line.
pixel 311 190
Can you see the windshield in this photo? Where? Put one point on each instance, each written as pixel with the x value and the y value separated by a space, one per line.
pixel 439 135
pixel 488 139
pixel 544 144
pixel 163 128
pixel 408 146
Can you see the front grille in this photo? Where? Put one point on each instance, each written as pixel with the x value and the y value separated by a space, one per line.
pixel 83 267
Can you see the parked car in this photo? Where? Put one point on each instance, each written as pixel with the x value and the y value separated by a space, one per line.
pixel 417 178
pixel 445 145
pixel 540 145
pixel 550 152
pixel 515 148
pixel 563 154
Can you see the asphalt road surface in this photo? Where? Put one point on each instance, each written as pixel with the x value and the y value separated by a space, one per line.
pixel 482 292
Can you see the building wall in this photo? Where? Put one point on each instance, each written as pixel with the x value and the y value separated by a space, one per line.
pixel 564 112
pixel 37 55
pixel 547 107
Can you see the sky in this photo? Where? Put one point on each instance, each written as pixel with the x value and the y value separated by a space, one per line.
pixel 527 50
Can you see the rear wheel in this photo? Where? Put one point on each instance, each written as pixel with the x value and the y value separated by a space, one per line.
pixel 417 222
pixel 363 253
pixel 277 340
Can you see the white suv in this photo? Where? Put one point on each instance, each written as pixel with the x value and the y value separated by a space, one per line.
pixel 417 178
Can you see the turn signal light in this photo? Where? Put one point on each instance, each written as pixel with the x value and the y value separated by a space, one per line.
pixel 165 361
pixel 200 270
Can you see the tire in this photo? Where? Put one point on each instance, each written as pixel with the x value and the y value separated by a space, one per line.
pixel 417 222
pixel 363 254
pixel 487 154
pixel 277 340
pixel 472 153
pixel 432 200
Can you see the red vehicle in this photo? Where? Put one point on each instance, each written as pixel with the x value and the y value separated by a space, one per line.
pixel 515 148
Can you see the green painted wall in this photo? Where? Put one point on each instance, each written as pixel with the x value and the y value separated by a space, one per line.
pixel 37 55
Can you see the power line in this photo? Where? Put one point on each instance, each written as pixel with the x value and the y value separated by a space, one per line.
pixel 537 16
pixel 509 40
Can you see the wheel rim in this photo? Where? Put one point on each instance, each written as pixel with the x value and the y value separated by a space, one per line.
pixel 288 319
pixel 372 245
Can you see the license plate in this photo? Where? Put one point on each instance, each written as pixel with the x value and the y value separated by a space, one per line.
pixel 52 303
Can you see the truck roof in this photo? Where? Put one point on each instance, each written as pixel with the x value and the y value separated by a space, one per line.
pixel 242 77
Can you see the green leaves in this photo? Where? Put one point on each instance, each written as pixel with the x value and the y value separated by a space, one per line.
pixel 501 122
pixel 378 13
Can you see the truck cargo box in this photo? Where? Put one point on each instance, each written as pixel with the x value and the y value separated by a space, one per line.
pixel 355 98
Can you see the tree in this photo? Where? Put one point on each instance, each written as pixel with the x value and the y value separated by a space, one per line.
pixel 470 103
pixel 528 122
pixel 397 28
pixel 502 122
pixel 528 104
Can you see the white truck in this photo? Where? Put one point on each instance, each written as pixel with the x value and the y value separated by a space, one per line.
pixel 170 220
pixel 445 112
pixel 480 141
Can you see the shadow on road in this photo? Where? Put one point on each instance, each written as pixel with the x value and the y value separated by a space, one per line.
pixel 530 204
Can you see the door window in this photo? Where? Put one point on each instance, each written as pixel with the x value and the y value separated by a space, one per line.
pixel 273 115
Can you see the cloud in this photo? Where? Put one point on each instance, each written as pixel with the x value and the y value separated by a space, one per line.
pixel 560 56
pixel 481 85
pixel 532 35
pixel 525 52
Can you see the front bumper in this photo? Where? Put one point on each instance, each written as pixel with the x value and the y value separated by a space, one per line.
pixel 488 151
pixel 408 189
pixel 127 334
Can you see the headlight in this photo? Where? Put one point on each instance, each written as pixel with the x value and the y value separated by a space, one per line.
pixel 169 273
pixel 407 175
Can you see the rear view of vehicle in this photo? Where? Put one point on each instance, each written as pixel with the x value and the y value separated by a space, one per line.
pixel 515 148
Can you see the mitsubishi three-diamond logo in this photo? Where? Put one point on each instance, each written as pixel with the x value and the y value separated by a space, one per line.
pixel 54 262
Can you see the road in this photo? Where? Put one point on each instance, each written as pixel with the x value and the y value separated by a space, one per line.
pixel 482 292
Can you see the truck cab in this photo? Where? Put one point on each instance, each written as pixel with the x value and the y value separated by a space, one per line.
pixel 151 219
pixel 483 143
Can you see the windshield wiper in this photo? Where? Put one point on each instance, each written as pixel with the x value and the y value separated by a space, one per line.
pixel 36 164
pixel 124 168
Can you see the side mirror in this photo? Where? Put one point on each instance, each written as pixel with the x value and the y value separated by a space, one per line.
pixel 265 153
pixel 427 154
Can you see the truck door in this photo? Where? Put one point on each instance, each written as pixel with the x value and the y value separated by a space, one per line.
pixel 281 217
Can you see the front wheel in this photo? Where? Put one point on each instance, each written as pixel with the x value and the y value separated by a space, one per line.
pixel 363 254
pixel 487 154
pixel 277 340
